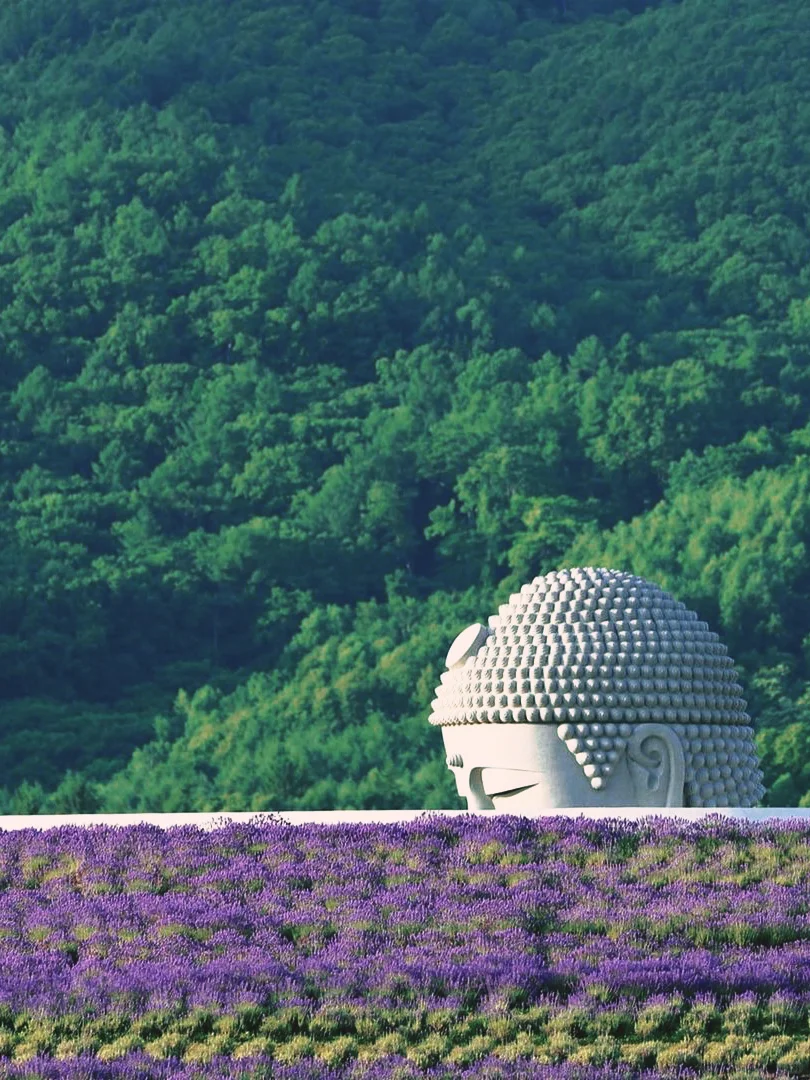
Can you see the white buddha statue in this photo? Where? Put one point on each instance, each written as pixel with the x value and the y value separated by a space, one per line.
pixel 591 688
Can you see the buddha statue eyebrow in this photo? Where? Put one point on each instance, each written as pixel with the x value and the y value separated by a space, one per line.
pixel 598 652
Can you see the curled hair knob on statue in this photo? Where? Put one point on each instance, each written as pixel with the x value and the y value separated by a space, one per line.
pixel 594 687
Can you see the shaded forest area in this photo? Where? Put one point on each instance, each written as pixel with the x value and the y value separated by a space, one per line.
pixel 324 325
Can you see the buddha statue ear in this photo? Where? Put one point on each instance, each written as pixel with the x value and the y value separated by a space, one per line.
pixel 657 766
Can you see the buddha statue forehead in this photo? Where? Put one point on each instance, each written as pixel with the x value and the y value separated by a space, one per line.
pixel 596 653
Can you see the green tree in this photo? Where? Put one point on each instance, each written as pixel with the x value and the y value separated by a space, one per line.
pixel 75 795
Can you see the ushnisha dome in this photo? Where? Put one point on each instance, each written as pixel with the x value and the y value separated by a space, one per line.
pixel 596 652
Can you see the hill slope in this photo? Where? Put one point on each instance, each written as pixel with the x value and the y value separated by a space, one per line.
pixel 325 326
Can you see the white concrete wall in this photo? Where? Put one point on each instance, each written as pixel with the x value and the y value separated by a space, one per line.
pixel 336 817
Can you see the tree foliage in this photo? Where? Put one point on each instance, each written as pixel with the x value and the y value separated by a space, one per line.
pixel 325 325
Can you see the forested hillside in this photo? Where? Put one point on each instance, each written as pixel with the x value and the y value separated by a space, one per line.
pixel 326 324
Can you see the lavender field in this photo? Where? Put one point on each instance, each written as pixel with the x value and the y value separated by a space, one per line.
pixel 498 947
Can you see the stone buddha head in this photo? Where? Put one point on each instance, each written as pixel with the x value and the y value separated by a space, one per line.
pixel 595 688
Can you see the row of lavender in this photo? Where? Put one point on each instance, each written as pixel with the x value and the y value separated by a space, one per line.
pixel 475 946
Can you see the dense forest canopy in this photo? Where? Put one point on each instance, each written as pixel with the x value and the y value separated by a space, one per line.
pixel 324 325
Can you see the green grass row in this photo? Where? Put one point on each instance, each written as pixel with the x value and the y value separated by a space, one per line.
pixel 700 1035
pixel 654 929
